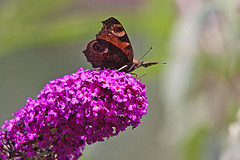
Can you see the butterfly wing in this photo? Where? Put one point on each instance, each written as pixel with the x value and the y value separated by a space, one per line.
pixel 114 33
pixel 112 48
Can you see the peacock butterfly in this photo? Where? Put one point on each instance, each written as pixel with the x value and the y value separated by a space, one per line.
pixel 112 49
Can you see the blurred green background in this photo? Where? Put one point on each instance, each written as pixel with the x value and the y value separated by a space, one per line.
pixel 193 100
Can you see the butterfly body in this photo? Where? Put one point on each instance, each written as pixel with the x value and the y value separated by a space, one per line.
pixel 112 48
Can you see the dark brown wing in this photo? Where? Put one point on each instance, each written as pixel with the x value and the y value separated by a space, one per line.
pixel 113 32
pixel 112 48
pixel 103 54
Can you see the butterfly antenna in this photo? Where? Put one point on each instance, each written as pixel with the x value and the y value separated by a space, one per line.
pixel 146 53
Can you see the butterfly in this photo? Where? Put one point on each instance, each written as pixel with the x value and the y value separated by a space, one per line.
pixel 112 49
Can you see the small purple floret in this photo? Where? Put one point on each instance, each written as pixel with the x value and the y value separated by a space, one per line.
pixel 70 112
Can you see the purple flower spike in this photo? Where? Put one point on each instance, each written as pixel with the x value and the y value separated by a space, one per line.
pixel 85 107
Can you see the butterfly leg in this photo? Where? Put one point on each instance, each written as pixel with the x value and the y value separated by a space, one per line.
pixel 143 74
pixel 135 74
pixel 133 65
pixel 122 67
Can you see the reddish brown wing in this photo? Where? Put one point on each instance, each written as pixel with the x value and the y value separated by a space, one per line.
pixel 112 48
pixel 114 33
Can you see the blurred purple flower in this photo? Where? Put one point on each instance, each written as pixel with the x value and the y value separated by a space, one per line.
pixel 69 112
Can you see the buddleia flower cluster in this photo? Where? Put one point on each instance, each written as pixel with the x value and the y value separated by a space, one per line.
pixel 70 112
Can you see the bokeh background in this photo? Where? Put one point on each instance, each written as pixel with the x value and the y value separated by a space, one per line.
pixel 193 100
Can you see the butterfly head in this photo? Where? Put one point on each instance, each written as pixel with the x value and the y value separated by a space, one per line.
pixel 136 64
